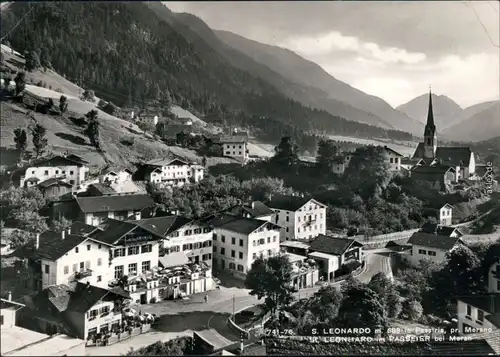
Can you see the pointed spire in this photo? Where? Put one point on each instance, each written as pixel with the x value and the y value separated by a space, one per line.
pixel 430 113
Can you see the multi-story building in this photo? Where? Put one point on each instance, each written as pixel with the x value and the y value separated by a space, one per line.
pixel 478 313
pixel 171 172
pixel 238 241
pixel 446 215
pixel 305 271
pixel 66 168
pixel 117 175
pixel 493 278
pixel 255 209
pixel 340 166
pixel 431 247
pixel 235 146
pixel 93 210
pixel 393 159
pixel 300 217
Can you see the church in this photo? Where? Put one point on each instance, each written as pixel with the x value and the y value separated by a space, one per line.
pixel 460 159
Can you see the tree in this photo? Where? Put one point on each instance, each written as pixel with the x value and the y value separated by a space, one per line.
pixel 271 278
pixel 88 95
pixel 21 140
pixel 20 81
pixel 63 104
pixel 361 307
pixel 59 225
pixel 204 161
pixel 32 61
pixel 109 108
pixel 412 310
pixel 286 154
pixel 328 154
pixel 325 304
pixel 92 130
pixel 19 238
pixel 38 133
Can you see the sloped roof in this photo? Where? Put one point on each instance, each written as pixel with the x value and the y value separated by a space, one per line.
pixel 32 179
pixel 489 303
pixel 433 241
pixel 392 151
pixel 80 228
pixel 419 151
pixel 173 259
pixel 114 203
pixel 71 160
pixel 166 162
pixel 51 246
pixel 289 203
pixel 102 188
pixel 53 181
pixel 332 245
pixel 112 230
pixel 259 209
pixel 432 170
pixel 434 228
pixel 162 225
pixel 457 156
pixel 239 224
pixel 448 206
pixel 234 139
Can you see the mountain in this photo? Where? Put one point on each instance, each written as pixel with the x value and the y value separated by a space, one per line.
pixel 446 111
pixel 299 70
pixel 483 124
pixel 127 53
pixel 307 95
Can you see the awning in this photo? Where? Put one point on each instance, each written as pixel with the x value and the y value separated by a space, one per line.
pixel 173 260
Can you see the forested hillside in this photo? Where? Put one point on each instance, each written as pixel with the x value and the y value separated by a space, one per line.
pixel 127 54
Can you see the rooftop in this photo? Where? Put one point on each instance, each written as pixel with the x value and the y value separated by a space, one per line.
pixel 433 241
pixel 489 303
pixel 162 225
pixel 332 245
pixel 288 203
pixel 394 152
pixel 457 156
pixel 255 209
pixel 239 224
pixel 321 255
pixel 234 139
pixel 295 244
pixel 173 260
pixel 295 257
pixel 15 337
pixel 114 203
pixel 53 181
pixel 32 343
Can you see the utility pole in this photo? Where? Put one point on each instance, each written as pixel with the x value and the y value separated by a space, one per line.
pixel 234 298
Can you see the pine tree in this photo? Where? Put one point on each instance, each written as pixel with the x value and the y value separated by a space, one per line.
pixel 92 130
pixel 63 104
pixel 21 140
pixel 20 81
pixel 40 142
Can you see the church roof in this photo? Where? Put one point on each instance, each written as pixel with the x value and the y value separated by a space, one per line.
pixel 430 113
pixel 456 156
pixel 419 151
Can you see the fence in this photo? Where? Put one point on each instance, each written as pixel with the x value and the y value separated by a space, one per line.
pixel 114 338
pixel 384 238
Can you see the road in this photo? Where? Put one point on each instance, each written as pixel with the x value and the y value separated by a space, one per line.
pixel 209 319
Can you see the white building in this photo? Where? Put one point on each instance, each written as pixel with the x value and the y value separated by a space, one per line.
pixel 340 167
pixel 393 159
pixel 173 172
pixel 301 218
pixel 255 209
pixel 66 169
pixel 446 215
pixel 116 176
pixel 431 247
pixel 238 241
pixel 235 146
pixel 478 313
pixel 494 277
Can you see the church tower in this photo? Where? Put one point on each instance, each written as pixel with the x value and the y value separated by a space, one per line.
pixel 430 136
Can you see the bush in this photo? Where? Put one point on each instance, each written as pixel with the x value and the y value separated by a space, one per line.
pixel 412 310
pixel 127 141
pixel 102 103
pixel 59 90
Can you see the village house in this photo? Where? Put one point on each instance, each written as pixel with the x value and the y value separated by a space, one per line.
pixel 431 247
pixel 445 217
pixel 478 313
pixel 117 175
pixel 54 188
pixel 93 210
pixel 493 278
pixel 340 166
pixel 255 209
pixel 239 241
pixel 19 341
pixel 172 172
pixel 77 309
pixel 438 176
pixel 393 159
pixel 66 168
pixel 301 218
pixel 335 256
pixel 439 230
pixel 236 147
pixel 460 158
pixel 409 163
pixel 305 273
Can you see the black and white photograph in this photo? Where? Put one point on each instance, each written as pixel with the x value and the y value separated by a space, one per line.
pixel 250 178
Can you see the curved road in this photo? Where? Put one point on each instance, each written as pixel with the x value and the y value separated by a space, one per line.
pixel 220 335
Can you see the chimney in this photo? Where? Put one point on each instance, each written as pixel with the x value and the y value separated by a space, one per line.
pixel 10 296
pixel 63 234
pixel 37 241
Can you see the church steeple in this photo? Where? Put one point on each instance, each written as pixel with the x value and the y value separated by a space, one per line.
pixel 430 136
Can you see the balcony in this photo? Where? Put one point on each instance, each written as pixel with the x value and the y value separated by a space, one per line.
pixel 83 274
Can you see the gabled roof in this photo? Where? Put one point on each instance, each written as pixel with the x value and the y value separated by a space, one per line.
pixel 116 170
pixel 412 161
pixel 51 246
pixel 259 209
pixel 457 156
pixel 489 303
pixel 173 259
pixel 234 139
pixel 432 170
pixel 79 228
pixel 447 206
pixel 58 160
pixel 239 224
pixel 76 158
pixel 52 182
pixel 331 245
pixel 114 203
pixel 102 188
pixel 434 228
pixel 162 225
pixel 433 241
pixel 394 152
pixel 419 151
pixel 166 162
pixel 110 231
pixel 32 179
pixel 290 203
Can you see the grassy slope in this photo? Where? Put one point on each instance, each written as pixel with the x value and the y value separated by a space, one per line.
pixel 64 135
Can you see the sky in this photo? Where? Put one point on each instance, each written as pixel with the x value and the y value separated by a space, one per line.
pixel 393 50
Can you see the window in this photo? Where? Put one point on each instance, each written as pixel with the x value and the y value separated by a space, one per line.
pixel 72 182
pixel 233 241
pixel 99 246
pixel 240 267
pixel 274 239
pixel 469 310
pixel 75 268
pixel 422 251
pixel 76 250
pixel 223 239
pixel 480 315
pixel 132 269
pixel 223 251
pixel 232 266
pixel 87 264
pixel 287 229
pixel 71 172
pixel 215 249
pixel 66 269
pixel 82 265
pixel 287 219
pixel 241 242
pixel 120 252
pixel 47 267
pixel 104 309
pixel 88 246
pixel 133 250
pixel 215 236
pixel 254 256
pixel 269 252
pixel 99 261
pixel 148 248
pixel 299 218
pixel 146 266
pixel 197 231
pixel 46 173
pixel 233 254
pixel 1 320
pixel 57 172
pixel 254 243
pixel 268 239
pixel 240 254
pixel 92 313
pixel 431 253
pixel 391 160
pixel 188 232
pixel 118 271
pixel 99 278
